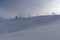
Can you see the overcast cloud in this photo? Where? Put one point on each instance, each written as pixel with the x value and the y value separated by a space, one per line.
pixel 10 8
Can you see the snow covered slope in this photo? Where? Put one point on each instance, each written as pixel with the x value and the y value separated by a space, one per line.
pixel 32 28
pixel 49 31
pixel 19 24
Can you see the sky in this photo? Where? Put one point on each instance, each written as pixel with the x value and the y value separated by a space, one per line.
pixel 24 8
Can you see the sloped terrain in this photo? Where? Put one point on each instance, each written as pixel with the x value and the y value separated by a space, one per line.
pixel 19 24
pixel 48 31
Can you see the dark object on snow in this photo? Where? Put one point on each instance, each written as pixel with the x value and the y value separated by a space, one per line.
pixel 16 17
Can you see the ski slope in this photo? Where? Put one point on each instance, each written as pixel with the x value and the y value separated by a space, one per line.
pixel 20 24
pixel 45 32
pixel 47 29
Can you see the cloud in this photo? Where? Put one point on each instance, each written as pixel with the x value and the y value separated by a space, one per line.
pixel 11 8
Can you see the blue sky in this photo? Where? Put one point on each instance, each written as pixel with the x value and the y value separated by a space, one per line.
pixel 11 8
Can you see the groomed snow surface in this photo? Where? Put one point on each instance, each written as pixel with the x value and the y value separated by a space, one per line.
pixel 49 31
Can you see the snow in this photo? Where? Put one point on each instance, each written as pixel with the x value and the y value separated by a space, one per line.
pixel 48 31
pixel 19 24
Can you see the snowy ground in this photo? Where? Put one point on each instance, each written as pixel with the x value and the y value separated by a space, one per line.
pixel 46 32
